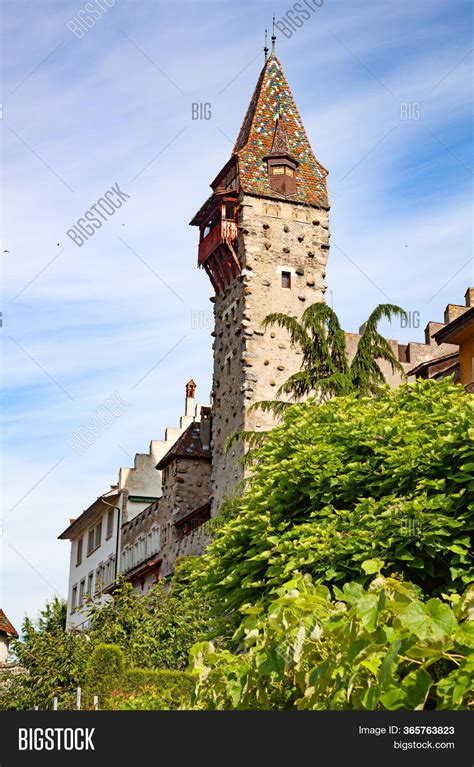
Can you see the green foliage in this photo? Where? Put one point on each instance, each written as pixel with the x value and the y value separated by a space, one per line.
pixel 325 367
pixel 155 630
pixel 104 670
pixel 350 480
pixel 153 690
pixel 375 648
pixel 158 628
pixel 53 660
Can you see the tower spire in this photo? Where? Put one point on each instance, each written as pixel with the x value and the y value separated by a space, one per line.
pixel 265 50
pixel 273 38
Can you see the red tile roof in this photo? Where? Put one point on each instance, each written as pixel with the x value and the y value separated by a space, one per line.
pixel 6 627
pixel 188 445
pixel 272 99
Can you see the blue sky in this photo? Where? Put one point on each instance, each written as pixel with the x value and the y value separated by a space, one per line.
pixel 115 106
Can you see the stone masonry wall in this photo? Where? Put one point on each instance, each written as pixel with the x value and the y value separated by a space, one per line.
pixel 251 363
pixel 186 486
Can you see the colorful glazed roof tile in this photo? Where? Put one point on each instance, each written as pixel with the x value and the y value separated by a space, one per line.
pixel 272 105
pixel 6 627
pixel 188 445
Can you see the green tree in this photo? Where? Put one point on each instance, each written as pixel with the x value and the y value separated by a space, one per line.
pixel 151 631
pixel 54 661
pixel 158 628
pixel 384 647
pixel 325 367
pixel 354 479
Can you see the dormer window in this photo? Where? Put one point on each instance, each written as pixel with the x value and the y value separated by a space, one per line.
pixel 282 174
pixel 280 170
pixel 281 164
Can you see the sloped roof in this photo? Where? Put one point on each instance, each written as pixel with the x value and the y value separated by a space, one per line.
pixel 6 627
pixel 462 324
pixel 188 445
pixel 272 99
pixel 430 368
pixel 77 524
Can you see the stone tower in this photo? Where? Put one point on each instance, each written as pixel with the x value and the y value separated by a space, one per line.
pixel 264 241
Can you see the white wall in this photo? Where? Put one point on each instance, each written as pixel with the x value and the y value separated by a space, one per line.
pixel 3 647
pixel 141 480
pixel 103 555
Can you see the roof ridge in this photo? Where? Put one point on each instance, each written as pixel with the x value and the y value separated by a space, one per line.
pixel 181 448
pixel 272 101
pixel 6 626
pixel 239 144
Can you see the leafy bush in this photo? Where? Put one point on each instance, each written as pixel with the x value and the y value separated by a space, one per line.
pixel 153 690
pixel 353 479
pixel 105 670
pixel 53 662
pixel 158 628
pixel 377 648
pixel 155 630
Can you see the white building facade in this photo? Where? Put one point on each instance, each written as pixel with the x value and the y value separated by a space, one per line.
pixel 93 562
pixel 96 534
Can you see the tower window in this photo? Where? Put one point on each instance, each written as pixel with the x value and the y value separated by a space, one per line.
pixel 280 170
pixel 229 211
pixel 227 362
pixel 286 279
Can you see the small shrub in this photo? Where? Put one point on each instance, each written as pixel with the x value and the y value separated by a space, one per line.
pixel 143 689
pixel 105 670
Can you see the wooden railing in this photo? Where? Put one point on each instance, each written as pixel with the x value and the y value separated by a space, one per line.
pixel 223 231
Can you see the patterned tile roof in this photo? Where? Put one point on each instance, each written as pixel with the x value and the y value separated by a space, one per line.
pixel 6 627
pixel 272 99
pixel 188 445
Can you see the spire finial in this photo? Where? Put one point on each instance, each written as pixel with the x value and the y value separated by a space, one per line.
pixel 265 50
pixel 273 37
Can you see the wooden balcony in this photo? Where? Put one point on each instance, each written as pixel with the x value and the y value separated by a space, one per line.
pixel 223 233
pixel 218 256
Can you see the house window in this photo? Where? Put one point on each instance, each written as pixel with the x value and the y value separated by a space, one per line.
pixel 98 535
pixel 278 170
pixel 109 571
pixel 90 584
pixel 79 552
pixel 286 279
pixel 73 598
pixel 110 523
pixel 94 538
pixel 289 171
pixel 82 587
pixel 99 579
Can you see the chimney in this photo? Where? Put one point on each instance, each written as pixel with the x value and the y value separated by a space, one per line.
pixel 189 406
pixel 469 296
pixel 205 426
